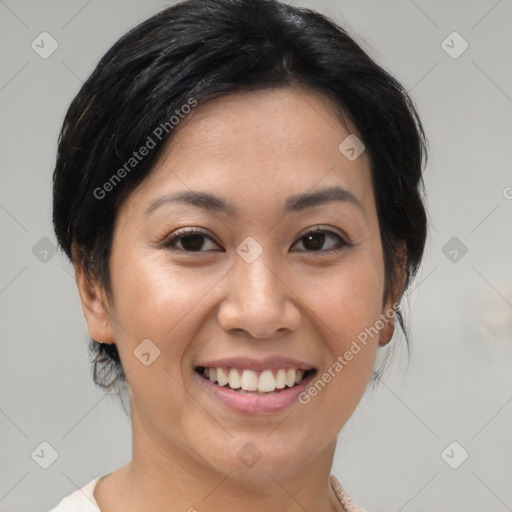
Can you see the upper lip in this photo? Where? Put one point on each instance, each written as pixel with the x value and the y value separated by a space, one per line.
pixel 258 365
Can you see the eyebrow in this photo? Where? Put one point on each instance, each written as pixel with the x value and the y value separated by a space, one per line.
pixel 295 203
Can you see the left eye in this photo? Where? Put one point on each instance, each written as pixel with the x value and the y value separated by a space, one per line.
pixel 315 239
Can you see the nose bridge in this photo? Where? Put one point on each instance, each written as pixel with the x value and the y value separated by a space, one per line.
pixel 257 300
pixel 259 281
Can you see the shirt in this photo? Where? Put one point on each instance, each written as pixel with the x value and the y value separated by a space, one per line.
pixel 82 500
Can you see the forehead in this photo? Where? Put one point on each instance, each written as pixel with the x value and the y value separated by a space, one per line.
pixel 282 118
pixel 259 145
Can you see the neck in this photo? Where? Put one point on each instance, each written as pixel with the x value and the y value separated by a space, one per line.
pixel 162 476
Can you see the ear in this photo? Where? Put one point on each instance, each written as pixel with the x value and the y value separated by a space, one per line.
pixel 94 303
pixel 394 296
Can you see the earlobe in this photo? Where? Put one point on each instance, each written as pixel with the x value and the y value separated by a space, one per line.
pixel 389 312
pixel 94 306
pixel 386 333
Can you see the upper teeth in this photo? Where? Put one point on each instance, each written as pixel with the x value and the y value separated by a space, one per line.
pixel 249 380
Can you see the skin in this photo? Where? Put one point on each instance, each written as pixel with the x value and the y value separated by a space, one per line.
pixel 254 149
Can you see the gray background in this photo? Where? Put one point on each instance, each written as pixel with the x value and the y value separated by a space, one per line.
pixel 457 385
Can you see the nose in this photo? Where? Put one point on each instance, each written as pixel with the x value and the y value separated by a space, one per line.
pixel 258 300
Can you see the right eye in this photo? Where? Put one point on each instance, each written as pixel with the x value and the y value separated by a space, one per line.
pixel 191 240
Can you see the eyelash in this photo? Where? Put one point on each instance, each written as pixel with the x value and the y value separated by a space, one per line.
pixel 169 242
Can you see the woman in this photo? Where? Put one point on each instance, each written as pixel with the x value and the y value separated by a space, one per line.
pixel 238 186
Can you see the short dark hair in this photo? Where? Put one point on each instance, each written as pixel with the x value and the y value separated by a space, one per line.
pixel 202 49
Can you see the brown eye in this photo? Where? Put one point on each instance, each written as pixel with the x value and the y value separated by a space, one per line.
pixel 191 240
pixel 315 240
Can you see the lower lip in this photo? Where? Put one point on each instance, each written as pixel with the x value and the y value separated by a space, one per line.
pixel 255 404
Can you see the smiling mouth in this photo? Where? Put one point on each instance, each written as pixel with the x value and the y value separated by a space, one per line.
pixel 250 382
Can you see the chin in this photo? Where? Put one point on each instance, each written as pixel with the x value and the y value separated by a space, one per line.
pixel 257 459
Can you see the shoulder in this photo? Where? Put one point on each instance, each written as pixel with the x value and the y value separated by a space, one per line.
pixel 81 500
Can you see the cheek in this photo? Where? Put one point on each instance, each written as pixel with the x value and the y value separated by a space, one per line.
pixel 152 297
pixel 167 305
pixel 347 303
pixel 157 302
pixel 348 297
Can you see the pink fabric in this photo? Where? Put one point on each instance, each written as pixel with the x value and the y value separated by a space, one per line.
pixel 346 501
pixel 81 500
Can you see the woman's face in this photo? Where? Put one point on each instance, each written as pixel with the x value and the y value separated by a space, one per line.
pixel 269 282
